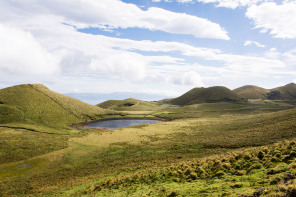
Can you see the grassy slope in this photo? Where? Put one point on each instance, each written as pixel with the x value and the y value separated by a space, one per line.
pixel 251 92
pixel 130 104
pixel 21 144
pixel 232 174
pixel 37 105
pixel 265 171
pixel 202 95
pixel 209 110
pixel 287 92
pixel 135 160
pixel 268 170
pixel 97 156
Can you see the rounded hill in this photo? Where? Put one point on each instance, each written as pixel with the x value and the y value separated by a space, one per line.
pixel 205 95
pixel 287 92
pixel 36 104
pixel 129 104
pixel 251 92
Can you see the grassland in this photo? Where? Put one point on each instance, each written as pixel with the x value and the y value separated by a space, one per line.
pixel 207 95
pixel 130 104
pixel 175 158
pixel 37 105
pixel 286 92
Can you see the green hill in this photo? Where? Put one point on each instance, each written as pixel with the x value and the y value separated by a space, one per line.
pixel 36 104
pixel 234 173
pixel 129 104
pixel 287 92
pixel 204 95
pixel 251 92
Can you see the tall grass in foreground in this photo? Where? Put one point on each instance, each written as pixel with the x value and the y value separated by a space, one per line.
pixel 269 170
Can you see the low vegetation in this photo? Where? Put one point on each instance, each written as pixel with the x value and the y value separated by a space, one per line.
pixel 205 95
pixel 130 104
pixel 207 149
pixel 36 105
pixel 20 144
pixel 267 171
pixel 287 92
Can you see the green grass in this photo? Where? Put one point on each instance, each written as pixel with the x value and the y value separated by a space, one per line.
pixel 130 104
pixel 204 95
pixel 266 170
pixel 152 150
pixel 287 92
pixel 209 149
pixel 36 104
pixel 211 110
pixel 20 144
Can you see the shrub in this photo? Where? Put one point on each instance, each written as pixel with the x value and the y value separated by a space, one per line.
pixel 193 176
pixel 173 194
pixel 275 180
pixel 260 155
pixel 187 171
pixel 226 166
pixel 291 191
pixel 237 185
pixel 219 173
pixel 275 159
pixel 240 172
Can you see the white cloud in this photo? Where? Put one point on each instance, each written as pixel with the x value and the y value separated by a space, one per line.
pixel 21 53
pixel 110 14
pixel 273 49
pixel 248 42
pixel 122 64
pixel 184 1
pixel 231 3
pixel 188 78
pixel 279 20
pixel 219 3
pixel 112 64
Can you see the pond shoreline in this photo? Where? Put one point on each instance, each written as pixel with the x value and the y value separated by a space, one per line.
pixel 83 124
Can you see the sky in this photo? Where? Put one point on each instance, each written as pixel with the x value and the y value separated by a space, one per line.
pixel 159 47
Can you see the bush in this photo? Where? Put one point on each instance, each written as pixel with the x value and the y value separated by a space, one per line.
pixel 193 176
pixel 240 172
pixel 275 180
pixel 260 155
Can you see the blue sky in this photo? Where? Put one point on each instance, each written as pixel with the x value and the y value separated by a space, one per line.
pixel 157 47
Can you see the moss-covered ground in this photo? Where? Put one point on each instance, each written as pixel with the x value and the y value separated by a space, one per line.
pixel 214 149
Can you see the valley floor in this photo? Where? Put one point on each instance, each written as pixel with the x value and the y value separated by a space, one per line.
pixel 205 150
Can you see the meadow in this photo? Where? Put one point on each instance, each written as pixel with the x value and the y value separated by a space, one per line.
pixel 209 149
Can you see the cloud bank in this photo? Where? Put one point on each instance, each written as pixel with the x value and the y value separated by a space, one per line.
pixel 41 39
pixel 277 19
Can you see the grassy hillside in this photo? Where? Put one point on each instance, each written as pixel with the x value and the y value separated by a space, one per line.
pixel 130 104
pixel 203 95
pixel 132 161
pixel 208 149
pixel 287 92
pixel 265 171
pixel 251 92
pixel 36 104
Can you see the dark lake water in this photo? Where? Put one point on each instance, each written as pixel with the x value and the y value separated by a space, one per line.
pixel 116 124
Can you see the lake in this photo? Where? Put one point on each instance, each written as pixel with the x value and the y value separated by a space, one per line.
pixel 120 123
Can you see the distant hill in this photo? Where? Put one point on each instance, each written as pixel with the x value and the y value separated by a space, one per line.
pixel 129 104
pixel 36 104
pixel 251 92
pixel 95 98
pixel 203 95
pixel 287 92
